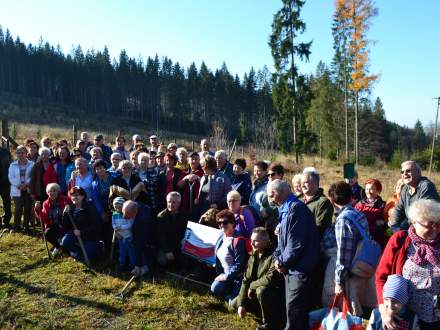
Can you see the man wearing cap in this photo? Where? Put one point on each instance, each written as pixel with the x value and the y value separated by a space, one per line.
pixel 154 143
pixel 99 142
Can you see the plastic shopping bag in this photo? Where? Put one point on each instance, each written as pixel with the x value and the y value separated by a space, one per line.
pixel 335 318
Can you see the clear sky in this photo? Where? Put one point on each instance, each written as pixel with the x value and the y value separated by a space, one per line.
pixel 405 54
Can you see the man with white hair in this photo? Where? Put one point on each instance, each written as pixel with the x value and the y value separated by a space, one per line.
pixel 297 253
pixel 143 234
pixel 223 165
pixel 135 139
pixel 170 229
pixel 415 187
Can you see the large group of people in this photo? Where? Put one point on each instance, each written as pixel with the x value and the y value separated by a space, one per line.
pixel 285 248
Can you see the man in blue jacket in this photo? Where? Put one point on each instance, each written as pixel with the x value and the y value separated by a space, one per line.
pixel 297 253
pixel 143 234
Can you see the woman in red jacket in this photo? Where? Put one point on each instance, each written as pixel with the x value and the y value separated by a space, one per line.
pixel 42 174
pixel 372 206
pixel 52 214
pixel 414 254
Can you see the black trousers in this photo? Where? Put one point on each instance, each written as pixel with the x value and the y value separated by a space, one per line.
pixel 53 235
pixel 5 194
pixel 298 297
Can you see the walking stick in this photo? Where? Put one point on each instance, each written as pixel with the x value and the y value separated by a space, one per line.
pixel 81 244
pixel 120 295
pixel 112 249
pixel 38 214
pixel 191 201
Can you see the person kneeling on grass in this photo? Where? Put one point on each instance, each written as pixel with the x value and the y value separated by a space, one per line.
pixel 52 215
pixel 262 287
pixel 86 219
pixel 122 227
pixel 170 229
pixel 231 257
pixel 395 296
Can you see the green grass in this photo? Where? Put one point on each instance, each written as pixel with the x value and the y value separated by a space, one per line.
pixel 61 294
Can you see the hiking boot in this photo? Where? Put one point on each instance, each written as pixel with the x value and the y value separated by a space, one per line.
pixel 55 252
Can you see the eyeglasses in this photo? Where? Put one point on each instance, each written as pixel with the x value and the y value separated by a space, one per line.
pixel 76 155
pixel 425 225
pixel 405 171
pixel 233 200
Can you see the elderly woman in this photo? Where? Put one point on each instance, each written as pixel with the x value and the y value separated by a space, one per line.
pixel 42 174
pixel 86 219
pixel 372 206
pixel 360 291
pixel 244 220
pixel 182 155
pixel 52 215
pixel 19 175
pixel 128 185
pixel 214 187
pixel 143 160
pixel 115 159
pixel 231 257
pixel 76 154
pixel 82 177
pixel 392 202
pixel 97 155
pixel 415 254
pixel 296 185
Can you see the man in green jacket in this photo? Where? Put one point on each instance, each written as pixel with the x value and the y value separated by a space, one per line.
pixel 318 204
pixel 262 287
pixel 170 229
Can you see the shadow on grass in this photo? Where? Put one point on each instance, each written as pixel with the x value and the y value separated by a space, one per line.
pixel 34 265
pixel 75 300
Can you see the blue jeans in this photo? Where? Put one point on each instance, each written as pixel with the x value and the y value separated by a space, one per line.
pixel 126 247
pixel 227 290
pixel 93 248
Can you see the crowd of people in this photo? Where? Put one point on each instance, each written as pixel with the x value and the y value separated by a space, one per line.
pixel 285 248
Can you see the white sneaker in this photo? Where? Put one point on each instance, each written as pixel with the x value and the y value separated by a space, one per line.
pixel 55 252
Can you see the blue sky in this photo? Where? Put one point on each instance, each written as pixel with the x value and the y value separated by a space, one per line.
pixel 405 53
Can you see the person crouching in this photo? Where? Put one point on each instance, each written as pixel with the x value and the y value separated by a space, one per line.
pixel 262 287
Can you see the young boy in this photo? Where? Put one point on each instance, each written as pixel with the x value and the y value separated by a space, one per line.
pixel 124 235
pixel 395 295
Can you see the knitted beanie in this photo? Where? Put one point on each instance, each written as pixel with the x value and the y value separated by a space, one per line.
pixel 396 287
pixel 118 201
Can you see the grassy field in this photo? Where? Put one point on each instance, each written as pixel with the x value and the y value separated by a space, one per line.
pixel 61 294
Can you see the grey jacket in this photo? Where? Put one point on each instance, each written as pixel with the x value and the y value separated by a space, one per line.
pixel 424 190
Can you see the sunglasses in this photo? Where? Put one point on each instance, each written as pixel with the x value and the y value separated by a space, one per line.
pixel 271 174
pixel 76 155
pixel 223 223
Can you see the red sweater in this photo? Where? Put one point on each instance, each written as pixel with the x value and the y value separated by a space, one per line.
pixel 392 260
pixel 62 201
pixel 374 213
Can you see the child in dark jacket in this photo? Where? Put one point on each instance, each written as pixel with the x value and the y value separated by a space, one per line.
pixel 395 294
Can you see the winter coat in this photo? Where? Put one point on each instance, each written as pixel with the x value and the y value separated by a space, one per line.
pixel 14 177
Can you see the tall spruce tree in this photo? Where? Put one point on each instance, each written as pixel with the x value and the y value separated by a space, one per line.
pixel 286 27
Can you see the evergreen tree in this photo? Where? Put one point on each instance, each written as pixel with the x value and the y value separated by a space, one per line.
pixel 286 27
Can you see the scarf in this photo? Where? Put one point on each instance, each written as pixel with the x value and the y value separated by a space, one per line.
pixel 426 250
